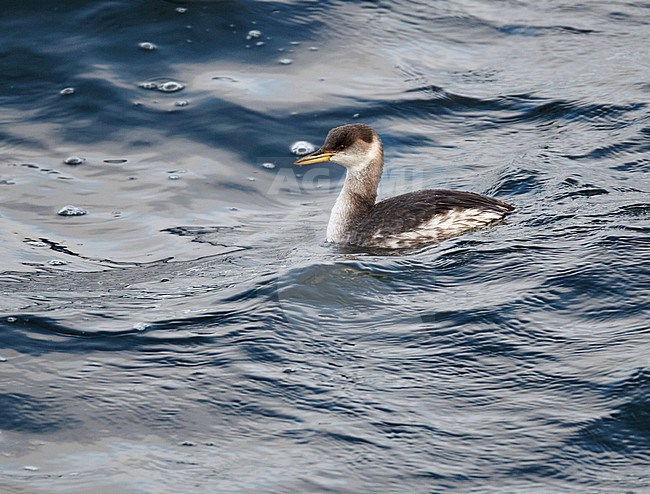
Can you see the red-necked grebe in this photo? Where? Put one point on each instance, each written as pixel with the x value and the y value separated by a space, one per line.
pixel 404 221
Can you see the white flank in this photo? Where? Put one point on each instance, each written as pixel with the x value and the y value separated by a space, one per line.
pixel 439 227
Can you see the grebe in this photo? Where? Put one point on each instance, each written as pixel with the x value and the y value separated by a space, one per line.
pixel 404 221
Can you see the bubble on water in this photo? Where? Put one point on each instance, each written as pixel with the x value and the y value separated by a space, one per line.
pixel 140 326
pixel 31 468
pixel 174 177
pixel 165 87
pixel 148 85
pixel 170 87
pixel 70 210
pixel 260 43
pixel 233 208
pixel 2 359
pixel 146 46
pixel 181 10
pixel 270 166
pixel 37 243
pixel 182 102
pixel 11 319
pixel 251 179
pixel 67 91
pixel 74 160
pixel 313 48
pixel 356 115
pixel 253 33
pixel 301 148
pixel 57 262
pixel 294 43
pixel 285 61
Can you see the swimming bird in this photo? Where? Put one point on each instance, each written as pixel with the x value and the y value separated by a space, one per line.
pixel 404 221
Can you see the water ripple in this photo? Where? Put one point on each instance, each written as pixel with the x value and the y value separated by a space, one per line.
pixel 195 324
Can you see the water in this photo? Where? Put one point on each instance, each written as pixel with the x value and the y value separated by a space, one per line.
pixel 193 332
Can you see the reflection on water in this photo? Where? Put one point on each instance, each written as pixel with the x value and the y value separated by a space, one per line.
pixel 194 326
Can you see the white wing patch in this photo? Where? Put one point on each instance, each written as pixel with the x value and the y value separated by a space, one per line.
pixel 439 227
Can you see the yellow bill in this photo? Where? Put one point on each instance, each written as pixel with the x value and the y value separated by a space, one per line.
pixel 317 157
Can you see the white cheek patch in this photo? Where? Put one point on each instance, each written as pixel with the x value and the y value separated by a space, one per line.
pixel 355 159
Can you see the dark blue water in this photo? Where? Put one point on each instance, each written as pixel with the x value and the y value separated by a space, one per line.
pixel 193 332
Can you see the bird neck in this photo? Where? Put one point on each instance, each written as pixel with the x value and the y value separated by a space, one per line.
pixel 356 199
pixel 362 183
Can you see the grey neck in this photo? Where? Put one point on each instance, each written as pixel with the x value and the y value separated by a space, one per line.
pixel 355 200
pixel 363 183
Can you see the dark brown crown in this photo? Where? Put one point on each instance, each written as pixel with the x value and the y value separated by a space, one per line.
pixel 345 136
